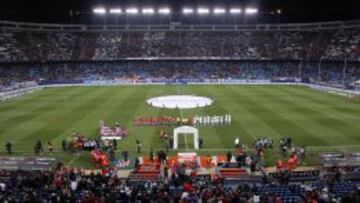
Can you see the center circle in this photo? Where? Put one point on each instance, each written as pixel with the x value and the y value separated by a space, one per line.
pixel 179 101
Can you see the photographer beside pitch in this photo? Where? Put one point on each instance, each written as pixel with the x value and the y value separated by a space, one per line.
pixel 8 147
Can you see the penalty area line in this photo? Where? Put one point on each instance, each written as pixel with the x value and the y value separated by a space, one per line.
pixel 181 116
pixel 203 149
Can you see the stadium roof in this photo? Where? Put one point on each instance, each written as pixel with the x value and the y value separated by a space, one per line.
pixel 80 11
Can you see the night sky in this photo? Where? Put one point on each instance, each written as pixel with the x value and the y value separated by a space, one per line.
pixel 58 11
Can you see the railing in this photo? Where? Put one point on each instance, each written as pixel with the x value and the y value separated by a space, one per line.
pixel 179 27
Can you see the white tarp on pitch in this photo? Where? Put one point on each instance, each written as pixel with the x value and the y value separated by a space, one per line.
pixel 179 101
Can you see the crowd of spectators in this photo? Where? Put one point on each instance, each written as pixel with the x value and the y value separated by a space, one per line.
pixel 10 49
pixel 66 55
pixel 342 45
pixel 74 186
pixel 17 45
pixel 331 72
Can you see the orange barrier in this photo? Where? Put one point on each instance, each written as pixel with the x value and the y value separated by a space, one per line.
pixel 232 172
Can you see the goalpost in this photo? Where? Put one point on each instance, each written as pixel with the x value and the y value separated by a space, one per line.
pixel 183 130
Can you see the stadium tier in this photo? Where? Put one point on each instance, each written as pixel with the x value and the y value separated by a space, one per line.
pixel 332 73
pixel 38 44
pixel 312 54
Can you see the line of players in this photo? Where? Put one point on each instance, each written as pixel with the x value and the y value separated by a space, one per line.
pixel 212 120
pixel 175 121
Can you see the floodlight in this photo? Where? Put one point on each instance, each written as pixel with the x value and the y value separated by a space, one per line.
pixel 251 11
pixel 218 11
pixel 203 11
pixel 148 11
pixel 187 11
pixel 99 10
pixel 235 10
pixel 278 11
pixel 116 11
pixel 132 11
pixel 164 11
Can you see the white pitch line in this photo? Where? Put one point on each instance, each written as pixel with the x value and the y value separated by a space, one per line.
pixel 2 149
pixel 333 146
pixel 181 116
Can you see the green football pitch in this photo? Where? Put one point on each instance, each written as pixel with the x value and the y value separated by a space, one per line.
pixel 321 121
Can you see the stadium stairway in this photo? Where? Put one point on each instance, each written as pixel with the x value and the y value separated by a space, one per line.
pixel 146 172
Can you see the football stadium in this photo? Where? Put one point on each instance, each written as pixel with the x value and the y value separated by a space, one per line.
pixel 250 101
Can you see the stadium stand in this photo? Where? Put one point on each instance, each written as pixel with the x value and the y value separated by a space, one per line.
pixel 71 185
pixel 311 54
pixel 19 45
pixel 332 72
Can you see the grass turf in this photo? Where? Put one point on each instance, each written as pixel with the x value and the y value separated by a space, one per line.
pixel 320 120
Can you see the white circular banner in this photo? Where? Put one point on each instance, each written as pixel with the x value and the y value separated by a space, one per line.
pixel 179 101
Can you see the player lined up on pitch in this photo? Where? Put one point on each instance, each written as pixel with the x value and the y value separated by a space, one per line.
pixel 198 121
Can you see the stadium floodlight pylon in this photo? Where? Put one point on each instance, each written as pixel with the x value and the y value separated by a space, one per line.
pixel 132 11
pixel 99 10
pixel 251 11
pixel 187 11
pixel 116 11
pixel 148 11
pixel 203 11
pixel 235 11
pixel 219 11
pixel 164 11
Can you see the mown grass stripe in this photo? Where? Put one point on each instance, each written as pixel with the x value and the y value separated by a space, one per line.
pixel 58 120
pixel 283 125
pixel 328 119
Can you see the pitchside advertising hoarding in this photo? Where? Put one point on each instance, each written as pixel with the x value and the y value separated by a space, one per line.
pixel 340 159
pixel 187 157
pixel 27 163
